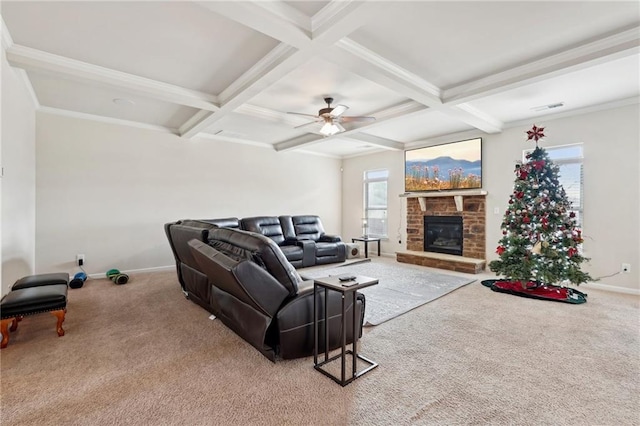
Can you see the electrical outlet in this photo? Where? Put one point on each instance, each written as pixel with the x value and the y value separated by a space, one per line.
pixel 79 259
pixel 626 268
pixel 496 210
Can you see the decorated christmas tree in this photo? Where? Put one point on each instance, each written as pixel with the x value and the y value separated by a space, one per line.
pixel 541 242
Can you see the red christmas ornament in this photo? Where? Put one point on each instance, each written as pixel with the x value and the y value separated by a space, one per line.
pixel 519 194
pixel 572 214
pixel 572 251
pixel 535 133
pixel 538 165
pixel 526 219
pixel 500 250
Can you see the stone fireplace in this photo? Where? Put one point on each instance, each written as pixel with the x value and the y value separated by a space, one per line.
pixel 433 222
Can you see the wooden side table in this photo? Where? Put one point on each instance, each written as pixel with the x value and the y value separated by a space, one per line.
pixel 333 283
pixel 366 241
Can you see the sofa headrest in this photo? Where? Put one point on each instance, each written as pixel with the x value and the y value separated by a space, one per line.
pixel 195 223
pixel 225 222
pixel 242 245
pixel 179 235
pixel 268 226
pixel 308 226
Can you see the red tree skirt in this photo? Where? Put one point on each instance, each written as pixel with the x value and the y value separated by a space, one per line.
pixel 536 290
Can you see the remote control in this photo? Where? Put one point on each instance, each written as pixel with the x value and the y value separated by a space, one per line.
pixel 347 278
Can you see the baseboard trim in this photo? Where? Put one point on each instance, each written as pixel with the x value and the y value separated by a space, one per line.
pixel 134 271
pixel 612 288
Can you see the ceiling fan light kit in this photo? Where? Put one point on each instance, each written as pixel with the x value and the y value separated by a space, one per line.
pixel 330 129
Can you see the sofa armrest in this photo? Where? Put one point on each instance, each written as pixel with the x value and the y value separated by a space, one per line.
pixel 325 238
pixel 295 321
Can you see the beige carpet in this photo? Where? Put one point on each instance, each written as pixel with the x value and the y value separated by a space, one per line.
pixel 141 354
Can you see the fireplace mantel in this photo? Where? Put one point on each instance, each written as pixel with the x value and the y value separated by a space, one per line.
pixel 457 196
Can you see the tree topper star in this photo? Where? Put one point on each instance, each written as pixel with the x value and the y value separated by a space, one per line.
pixel 535 133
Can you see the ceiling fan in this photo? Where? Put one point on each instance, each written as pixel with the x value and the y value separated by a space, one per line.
pixel 331 117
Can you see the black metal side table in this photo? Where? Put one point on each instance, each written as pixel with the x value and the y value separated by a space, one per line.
pixel 366 241
pixel 333 283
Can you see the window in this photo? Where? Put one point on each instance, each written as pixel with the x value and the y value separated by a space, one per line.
pixel 375 203
pixel 568 158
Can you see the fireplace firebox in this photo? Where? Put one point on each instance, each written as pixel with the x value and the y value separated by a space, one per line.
pixel 443 234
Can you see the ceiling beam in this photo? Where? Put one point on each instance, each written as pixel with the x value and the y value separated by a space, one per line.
pixel 270 69
pixel 271 115
pixel 281 60
pixel 620 44
pixel 276 21
pixel 368 64
pixel 376 68
pixel 38 61
pixel 375 140
pixel 476 118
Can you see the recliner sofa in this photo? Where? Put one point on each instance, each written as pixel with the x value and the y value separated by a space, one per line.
pixel 302 238
pixel 245 280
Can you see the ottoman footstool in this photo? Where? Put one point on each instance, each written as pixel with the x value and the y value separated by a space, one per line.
pixel 40 280
pixel 30 301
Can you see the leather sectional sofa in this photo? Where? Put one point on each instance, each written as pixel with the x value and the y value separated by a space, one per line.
pixel 302 238
pixel 245 280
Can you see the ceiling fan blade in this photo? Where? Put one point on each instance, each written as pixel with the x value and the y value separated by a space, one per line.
pixel 306 124
pixel 304 115
pixel 359 119
pixel 342 129
pixel 338 110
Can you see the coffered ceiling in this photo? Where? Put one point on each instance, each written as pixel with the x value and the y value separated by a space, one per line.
pixel 231 70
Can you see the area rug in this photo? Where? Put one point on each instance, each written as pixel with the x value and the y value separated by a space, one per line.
pixel 401 287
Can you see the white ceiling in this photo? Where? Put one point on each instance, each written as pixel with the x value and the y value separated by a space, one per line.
pixel 231 70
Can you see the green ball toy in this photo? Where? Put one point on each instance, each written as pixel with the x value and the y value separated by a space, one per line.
pixel 117 277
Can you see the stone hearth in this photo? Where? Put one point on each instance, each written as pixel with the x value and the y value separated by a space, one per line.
pixel 473 211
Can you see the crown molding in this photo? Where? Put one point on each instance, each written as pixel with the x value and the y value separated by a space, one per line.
pixel 7 41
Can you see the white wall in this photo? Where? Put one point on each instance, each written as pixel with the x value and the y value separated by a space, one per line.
pixel 611 187
pixel 106 190
pixel 17 185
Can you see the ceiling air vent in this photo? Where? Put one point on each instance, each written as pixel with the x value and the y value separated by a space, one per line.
pixel 547 107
